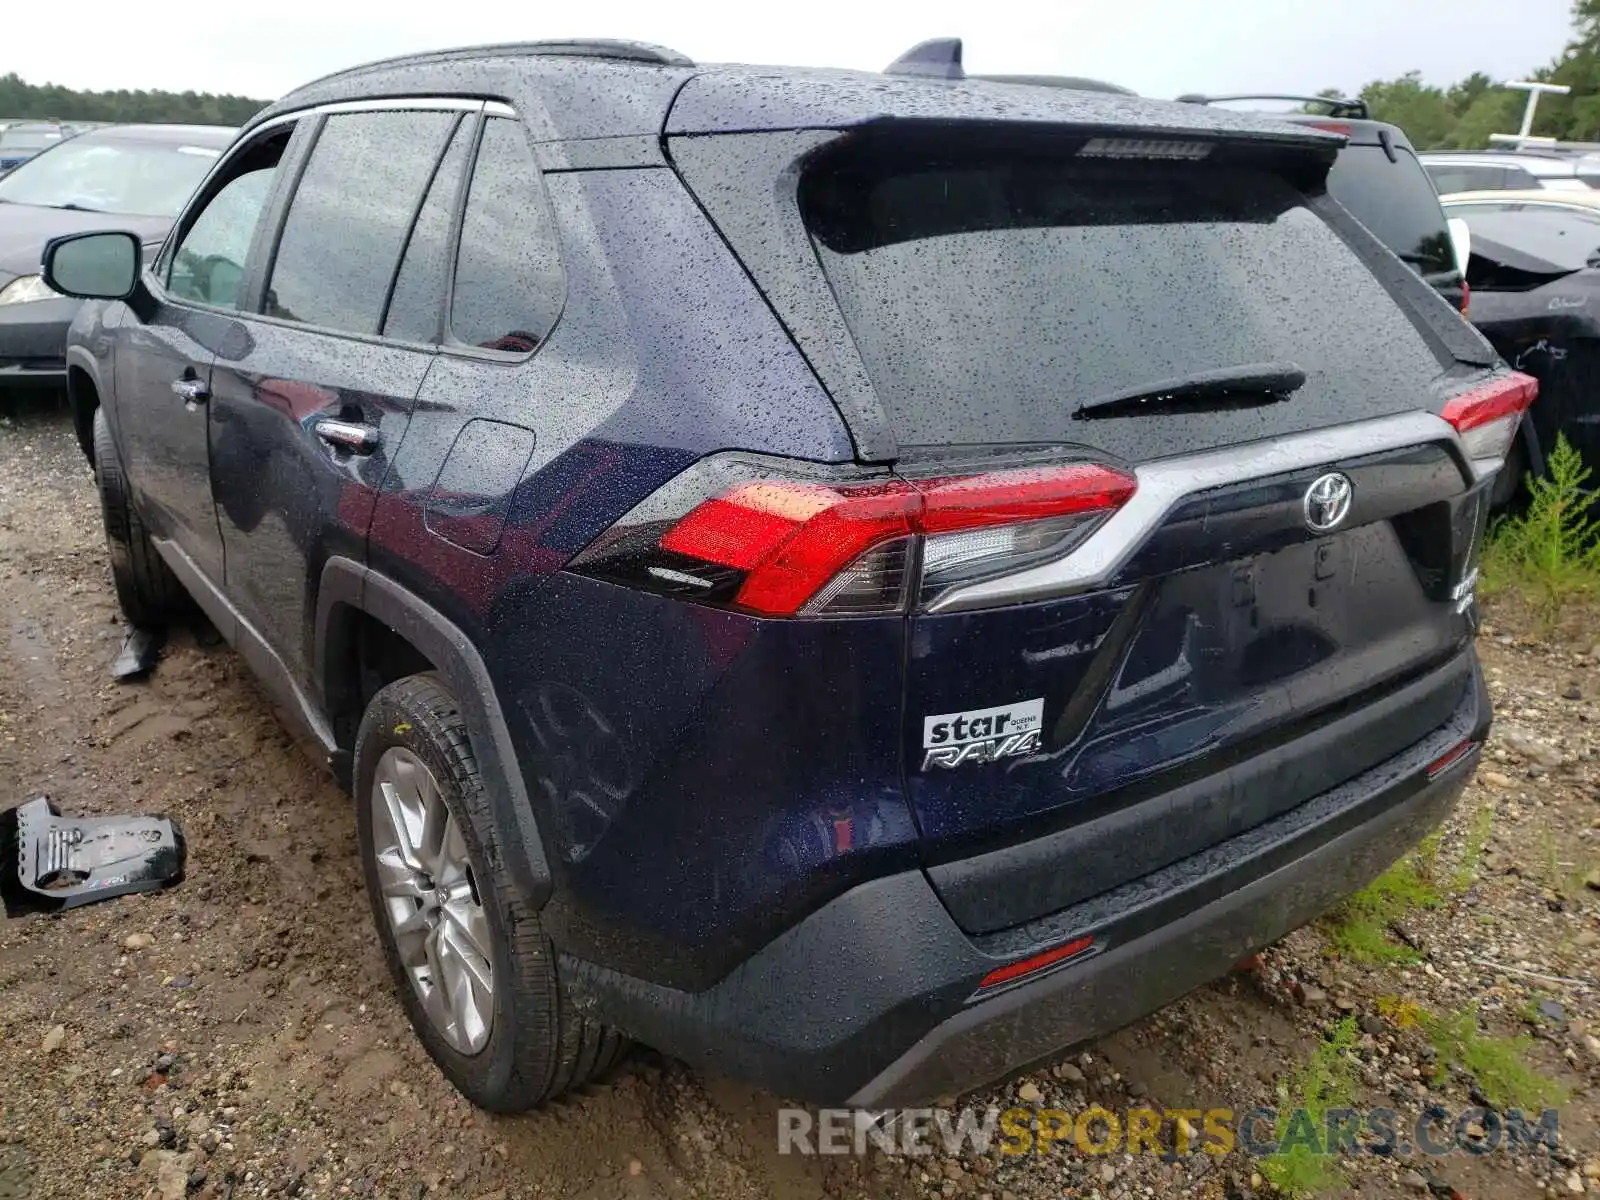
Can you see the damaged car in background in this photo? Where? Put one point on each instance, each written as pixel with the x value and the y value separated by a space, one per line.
pixel 133 177
pixel 1536 297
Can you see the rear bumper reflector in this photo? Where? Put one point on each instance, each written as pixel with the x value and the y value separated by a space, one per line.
pixel 1457 753
pixel 1033 964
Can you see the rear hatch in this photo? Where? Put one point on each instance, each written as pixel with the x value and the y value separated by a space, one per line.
pixel 1160 366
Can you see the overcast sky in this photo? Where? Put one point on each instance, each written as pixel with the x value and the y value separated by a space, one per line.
pixel 1158 47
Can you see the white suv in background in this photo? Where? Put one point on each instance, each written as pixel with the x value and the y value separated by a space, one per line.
pixel 1508 170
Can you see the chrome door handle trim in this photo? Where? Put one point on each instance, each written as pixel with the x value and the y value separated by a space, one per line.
pixel 347 435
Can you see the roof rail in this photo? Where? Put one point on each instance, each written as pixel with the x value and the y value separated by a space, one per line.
pixel 936 58
pixel 1071 82
pixel 613 49
pixel 1352 108
pixel 643 52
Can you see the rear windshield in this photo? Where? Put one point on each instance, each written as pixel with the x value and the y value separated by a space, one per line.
pixel 991 296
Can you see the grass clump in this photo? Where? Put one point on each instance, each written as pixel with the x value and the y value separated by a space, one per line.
pixel 1499 1065
pixel 1473 845
pixel 1550 551
pixel 1302 1166
pixel 1359 928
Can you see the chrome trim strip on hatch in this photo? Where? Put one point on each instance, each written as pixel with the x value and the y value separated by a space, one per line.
pixel 1164 483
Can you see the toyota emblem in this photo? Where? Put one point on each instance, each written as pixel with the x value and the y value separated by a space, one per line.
pixel 1327 502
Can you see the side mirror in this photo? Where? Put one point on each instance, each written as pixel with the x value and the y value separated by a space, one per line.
pixel 1460 241
pixel 93 266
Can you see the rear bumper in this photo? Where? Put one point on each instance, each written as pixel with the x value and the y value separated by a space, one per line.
pixel 872 1000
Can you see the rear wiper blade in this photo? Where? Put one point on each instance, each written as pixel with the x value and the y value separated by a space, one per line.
pixel 1251 383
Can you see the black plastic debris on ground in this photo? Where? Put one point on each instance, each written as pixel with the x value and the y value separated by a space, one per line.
pixel 141 649
pixel 49 862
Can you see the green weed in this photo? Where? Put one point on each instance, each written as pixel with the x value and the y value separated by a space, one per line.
pixel 1358 929
pixel 1500 1065
pixel 1550 551
pixel 1326 1080
pixel 1476 841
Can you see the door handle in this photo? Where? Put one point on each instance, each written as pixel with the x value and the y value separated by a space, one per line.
pixel 191 391
pixel 348 436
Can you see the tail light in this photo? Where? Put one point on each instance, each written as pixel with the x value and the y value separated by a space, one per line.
pixel 1487 416
pixel 746 533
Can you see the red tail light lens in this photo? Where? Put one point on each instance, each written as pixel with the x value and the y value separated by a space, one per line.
pixel 791 538
pixel 1487 416
pixel 804 547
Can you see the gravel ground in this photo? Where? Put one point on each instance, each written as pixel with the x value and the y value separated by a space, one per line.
pixel 238 1035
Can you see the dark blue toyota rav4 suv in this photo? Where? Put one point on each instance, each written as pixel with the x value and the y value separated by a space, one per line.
pixel 858 581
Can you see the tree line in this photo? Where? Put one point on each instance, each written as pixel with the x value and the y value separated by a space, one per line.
pixel 51 102
pixel 1464 114
pixel 1459 116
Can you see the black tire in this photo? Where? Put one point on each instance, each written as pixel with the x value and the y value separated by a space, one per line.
pixel 147 590
pixel 538 1047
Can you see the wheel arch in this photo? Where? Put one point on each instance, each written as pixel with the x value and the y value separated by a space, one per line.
pixel 351 596
pixel 84 394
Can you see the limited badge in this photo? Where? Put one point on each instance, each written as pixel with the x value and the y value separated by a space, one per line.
pixel 982 735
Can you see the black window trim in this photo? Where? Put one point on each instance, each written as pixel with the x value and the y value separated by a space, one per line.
pixel 416 215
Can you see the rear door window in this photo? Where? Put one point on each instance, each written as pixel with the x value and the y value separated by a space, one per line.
pixel 349 217
pixel 991 296
pixel 508 283
pixel 1397 202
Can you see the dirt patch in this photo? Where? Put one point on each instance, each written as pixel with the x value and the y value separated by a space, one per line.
pixel 249 1043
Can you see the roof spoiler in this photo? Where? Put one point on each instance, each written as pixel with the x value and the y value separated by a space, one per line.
pixel 1351 108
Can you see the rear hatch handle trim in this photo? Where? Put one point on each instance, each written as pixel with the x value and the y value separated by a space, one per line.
pixel 1164 483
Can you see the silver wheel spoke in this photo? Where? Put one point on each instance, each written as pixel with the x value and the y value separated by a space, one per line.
pixel 436 999
pixel 474 960
pixel 452 855
pixel 396 879
pixel 472 923
pixel 425 886
pixel 401 831
pixel 435 824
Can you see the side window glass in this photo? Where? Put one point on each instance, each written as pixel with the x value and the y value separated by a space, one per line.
pixel 508 286
pixel 1443 178
pixel 417 305
pixel 349 216
pixel 207 262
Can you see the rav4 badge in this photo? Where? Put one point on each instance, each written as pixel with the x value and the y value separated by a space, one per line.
pixel 982 735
